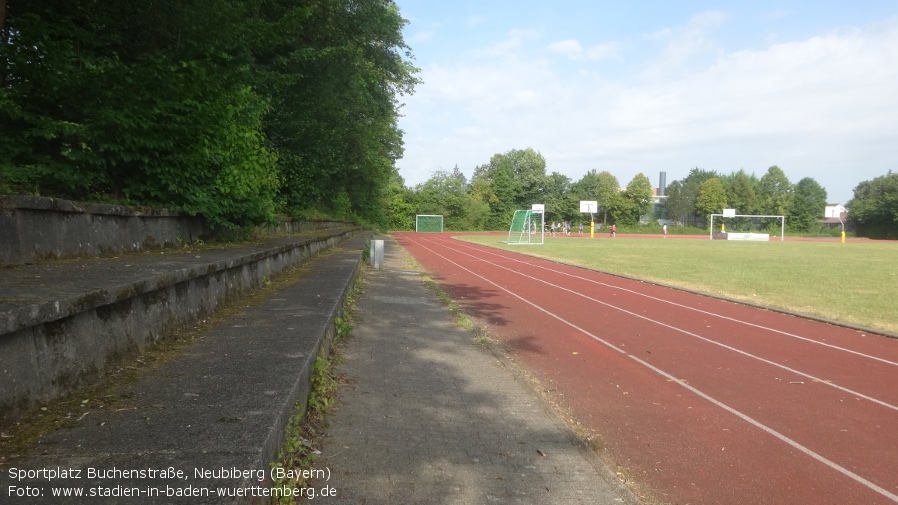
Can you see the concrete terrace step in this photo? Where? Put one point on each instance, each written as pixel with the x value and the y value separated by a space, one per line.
pixel 64 321
pixel 217 414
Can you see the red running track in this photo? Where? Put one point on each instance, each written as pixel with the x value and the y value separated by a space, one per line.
pixel 700 400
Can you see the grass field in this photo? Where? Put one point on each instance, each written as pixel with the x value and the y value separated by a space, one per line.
pixel 856 282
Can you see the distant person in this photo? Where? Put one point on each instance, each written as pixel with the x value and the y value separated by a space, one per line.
pixel 613 231
pixel 581 229
pixel 665 230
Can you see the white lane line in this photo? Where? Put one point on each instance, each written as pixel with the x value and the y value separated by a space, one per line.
pixel 835 466
pixel 691 334
pixel 676 304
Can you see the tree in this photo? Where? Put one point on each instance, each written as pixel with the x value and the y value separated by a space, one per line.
pixel 511 181
pixel 699 176
pixel 627 206
pixel 401 206
pixel 602 187
pixel 775 192
pixel 447 194
pixel 227 109
pixel 137 104
pixel 333 70
pixel 679 203
pixel 681 196
pixel 558 191
pixel 481 191
pixel 460 178
pixel 499 187
pixel 475 215
pixel 639 194
pixel 712 198
pixel 808 206
pixel 874 207
pixel 438 195
pixel 530 174
pixel 741 195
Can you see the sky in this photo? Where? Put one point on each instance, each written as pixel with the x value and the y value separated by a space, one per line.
pixel 655 86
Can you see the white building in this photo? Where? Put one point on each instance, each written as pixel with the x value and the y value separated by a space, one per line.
pixel 835 215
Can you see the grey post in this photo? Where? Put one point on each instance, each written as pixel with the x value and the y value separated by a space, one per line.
pixel 377 253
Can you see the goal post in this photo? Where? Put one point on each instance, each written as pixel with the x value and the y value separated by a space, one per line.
pixel 428 223
pixel 527 227
pixel 729 213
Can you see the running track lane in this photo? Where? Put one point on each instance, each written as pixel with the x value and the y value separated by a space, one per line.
pixel 702 400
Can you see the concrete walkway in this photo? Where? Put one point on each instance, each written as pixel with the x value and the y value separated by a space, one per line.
pixel 429 416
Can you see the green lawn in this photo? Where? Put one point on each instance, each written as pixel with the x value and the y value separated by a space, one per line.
pixel 856 282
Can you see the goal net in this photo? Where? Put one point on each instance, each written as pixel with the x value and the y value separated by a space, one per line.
pixel 428 223
pixel 527 227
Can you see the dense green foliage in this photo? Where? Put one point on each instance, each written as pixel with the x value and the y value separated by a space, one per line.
pixel 230 109
pixel 601 187
pixel 809 197
pixel 874 207
pixel 712 198
pixel 635 201
pixel 803 204
pixel 517 179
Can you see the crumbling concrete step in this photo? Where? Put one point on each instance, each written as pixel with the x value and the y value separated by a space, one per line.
pixel 210 421
pixel 64 322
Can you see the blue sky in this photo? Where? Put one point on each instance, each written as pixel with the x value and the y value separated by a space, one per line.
pixel 646 87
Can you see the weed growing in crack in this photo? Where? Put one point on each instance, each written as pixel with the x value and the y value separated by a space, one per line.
pixel 298 454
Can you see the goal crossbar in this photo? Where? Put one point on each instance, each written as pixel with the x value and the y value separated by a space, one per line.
pixel 781 218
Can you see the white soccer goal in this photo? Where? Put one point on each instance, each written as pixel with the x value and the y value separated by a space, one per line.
pixel 751 235
pixel 432 223
pixel 527 227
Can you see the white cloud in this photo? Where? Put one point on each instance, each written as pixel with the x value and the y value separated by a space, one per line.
pixel 509 46
pixel 569 47
pixel 573 50
pixel 824 107
pixel 682 44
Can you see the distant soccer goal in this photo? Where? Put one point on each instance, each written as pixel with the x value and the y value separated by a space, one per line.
pixel 750 227
pixel 428 223
pixel 527 227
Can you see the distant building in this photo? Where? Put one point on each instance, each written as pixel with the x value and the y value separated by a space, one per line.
pixel 835 215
